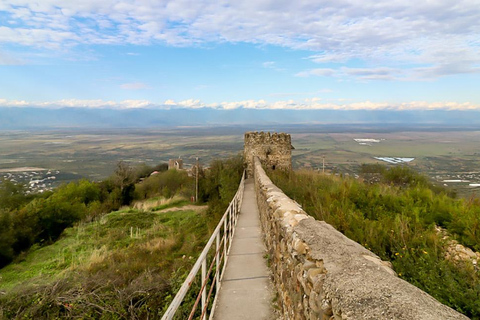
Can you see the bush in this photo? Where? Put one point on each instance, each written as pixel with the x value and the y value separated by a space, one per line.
pixel 12 196
pixel 396 220
pixel 130 278
pixel 220 183
pixel 166 184
pixel 6 238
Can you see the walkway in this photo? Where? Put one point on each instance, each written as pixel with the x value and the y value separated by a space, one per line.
pixel 245 292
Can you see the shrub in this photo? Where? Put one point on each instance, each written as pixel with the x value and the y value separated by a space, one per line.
pixel 396 220
pixel 220 183
pixel 166 184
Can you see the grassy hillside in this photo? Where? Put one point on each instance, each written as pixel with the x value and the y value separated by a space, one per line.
pixel 126 264
pixel 117 267
pixel 396 218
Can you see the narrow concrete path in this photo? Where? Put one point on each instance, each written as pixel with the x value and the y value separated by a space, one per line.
pixel 245 292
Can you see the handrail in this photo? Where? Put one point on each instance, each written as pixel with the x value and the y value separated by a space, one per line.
pixel 226 224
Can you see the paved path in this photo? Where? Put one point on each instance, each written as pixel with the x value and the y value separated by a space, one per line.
pixel 245 292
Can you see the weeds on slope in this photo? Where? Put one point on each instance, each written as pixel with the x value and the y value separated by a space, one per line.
pixel 127 264
pixel 396 220
pixel 118 267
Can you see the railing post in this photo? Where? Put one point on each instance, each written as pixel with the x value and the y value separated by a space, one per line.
pixel 204 276
pixel 231 225
pixel 225 235
pixel 234 211
pixel 217 264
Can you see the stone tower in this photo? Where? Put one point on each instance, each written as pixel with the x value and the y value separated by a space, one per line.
pixel 175 164
pixel 273 149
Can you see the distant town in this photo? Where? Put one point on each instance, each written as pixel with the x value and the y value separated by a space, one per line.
pixel 36 180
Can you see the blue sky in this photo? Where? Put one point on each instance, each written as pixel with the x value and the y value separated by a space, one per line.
pixel 334 54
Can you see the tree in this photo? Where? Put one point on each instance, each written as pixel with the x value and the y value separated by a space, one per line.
pixel 123 175
pixel 6 238
pixel 12 195
pixel 124 179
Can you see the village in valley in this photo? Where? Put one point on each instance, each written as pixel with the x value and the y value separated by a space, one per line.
pixel 36 180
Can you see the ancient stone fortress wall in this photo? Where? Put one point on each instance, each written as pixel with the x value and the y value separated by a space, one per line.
pixel 321 274
pixel 273 149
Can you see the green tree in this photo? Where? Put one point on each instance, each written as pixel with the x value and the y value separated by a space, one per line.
pixel 12 195
pixel 124 179
pixel 6 238
pixel 220 183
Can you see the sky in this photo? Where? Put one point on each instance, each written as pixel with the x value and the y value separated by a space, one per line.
pixel 331 54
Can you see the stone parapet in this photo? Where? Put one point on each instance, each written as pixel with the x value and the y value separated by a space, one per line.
pixel 321 274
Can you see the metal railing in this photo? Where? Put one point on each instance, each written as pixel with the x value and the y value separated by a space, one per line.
pixel 210 279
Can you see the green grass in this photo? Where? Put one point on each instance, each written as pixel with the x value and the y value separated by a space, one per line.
pixel 127 264
pixel 127 254
pixel 396 220
pixel 174 204
pixel 117 230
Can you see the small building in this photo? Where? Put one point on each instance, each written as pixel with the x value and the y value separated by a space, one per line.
pixel 273 149
pixel 175 164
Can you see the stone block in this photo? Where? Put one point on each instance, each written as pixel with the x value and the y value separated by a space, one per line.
pixel 299 246
pixel 313 273
pixel 313 302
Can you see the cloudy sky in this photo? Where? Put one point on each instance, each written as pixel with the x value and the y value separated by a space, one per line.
pixel 330 54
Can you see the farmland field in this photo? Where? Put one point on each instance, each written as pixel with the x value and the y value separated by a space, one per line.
pixel 441 154
pixel 93 154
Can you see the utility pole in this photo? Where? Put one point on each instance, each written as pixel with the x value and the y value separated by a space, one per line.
pixel 196 183
pixel 323 165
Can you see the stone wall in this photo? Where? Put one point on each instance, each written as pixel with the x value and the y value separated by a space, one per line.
pixel 321 274
pixel 273 149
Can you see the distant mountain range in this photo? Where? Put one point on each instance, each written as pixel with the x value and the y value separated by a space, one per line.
pixel 38 118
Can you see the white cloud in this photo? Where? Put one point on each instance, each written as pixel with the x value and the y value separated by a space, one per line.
pixel 78 103
pixel 170 102
pixel 425 32
pixel 377 73
pixel 268 64
pixel 134 86
pixel 315 103
pixel 320 72
pixel 372 73
pixel 9 59
pixel 289 94
pixel 189 103
pixel 272 65
pixel 325 90
pixel 13 103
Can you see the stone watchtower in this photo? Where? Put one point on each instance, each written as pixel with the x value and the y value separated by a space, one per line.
pixel 273 149
pixel 175 164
